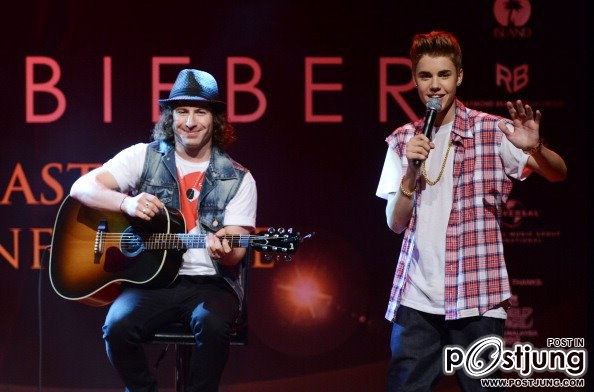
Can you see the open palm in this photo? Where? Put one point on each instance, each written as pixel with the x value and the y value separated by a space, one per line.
pixel 525 134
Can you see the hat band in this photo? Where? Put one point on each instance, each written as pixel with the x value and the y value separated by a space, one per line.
pixel 192 92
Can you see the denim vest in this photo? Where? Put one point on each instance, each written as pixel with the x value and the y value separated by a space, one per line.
pixel 221 182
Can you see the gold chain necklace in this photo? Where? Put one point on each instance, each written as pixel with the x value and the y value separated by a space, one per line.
pixel 424 167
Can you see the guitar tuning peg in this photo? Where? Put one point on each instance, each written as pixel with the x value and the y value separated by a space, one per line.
pixel 287 258
pixel 267 257
pixel 271 230
pixel 274 248
pixel 290 230
pixel 280 230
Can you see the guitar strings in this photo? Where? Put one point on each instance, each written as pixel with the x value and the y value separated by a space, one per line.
pixel 191 236
pixel 181 238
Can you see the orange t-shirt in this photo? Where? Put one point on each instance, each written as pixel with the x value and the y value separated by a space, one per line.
pixel 189 195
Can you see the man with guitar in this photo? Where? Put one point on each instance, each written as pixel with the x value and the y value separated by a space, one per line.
pixel 184 168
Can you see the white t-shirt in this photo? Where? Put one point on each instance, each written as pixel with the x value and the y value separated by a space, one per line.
pixel 126 167
pixel 426 275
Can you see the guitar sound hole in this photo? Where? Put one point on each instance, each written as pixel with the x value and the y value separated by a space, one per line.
pixel 131 243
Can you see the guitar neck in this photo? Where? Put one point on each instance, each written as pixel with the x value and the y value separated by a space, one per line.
pixel 161 241
pixel 131 243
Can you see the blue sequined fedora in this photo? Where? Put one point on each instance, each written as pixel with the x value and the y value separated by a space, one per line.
pixel 191 86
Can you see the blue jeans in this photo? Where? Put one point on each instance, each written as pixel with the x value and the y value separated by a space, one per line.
pixel 208 304
pixel 417 344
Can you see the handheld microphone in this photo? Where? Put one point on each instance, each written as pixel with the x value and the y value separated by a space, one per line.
pixel 433 107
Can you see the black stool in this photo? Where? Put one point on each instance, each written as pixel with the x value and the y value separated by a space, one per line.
pixel 178 334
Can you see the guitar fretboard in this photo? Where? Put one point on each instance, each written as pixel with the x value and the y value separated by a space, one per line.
pixel 191 241
pixel 162 241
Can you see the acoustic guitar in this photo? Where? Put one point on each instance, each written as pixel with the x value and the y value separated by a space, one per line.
pixel 93 252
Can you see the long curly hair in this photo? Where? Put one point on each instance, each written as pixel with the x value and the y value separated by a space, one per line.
pixel 223 132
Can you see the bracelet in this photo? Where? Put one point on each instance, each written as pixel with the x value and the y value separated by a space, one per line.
pixel 535 149
pixel 406 193
pixel 122 202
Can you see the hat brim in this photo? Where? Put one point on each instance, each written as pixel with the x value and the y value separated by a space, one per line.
pixel 181 99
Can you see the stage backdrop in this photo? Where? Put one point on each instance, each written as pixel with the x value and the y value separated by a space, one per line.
pixel 313 89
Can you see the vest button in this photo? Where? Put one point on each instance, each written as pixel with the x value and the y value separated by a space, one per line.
pixel 215 223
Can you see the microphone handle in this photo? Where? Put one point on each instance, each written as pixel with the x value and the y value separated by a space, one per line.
pixel 427 127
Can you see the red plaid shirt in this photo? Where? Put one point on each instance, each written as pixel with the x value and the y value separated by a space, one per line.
pixel 475 273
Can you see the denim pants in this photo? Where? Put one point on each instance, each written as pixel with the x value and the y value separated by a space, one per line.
pixel 208 304
pixel 417 343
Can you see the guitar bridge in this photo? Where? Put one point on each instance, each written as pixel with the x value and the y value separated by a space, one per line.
pixel 99 240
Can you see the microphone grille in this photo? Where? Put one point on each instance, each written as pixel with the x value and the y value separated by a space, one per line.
pixel 434 103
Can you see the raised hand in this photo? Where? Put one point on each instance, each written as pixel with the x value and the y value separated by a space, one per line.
pixel 526 122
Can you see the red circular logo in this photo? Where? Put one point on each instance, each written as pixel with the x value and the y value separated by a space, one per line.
pixel 512 13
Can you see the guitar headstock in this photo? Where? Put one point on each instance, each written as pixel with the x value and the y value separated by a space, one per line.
pixel 278 243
